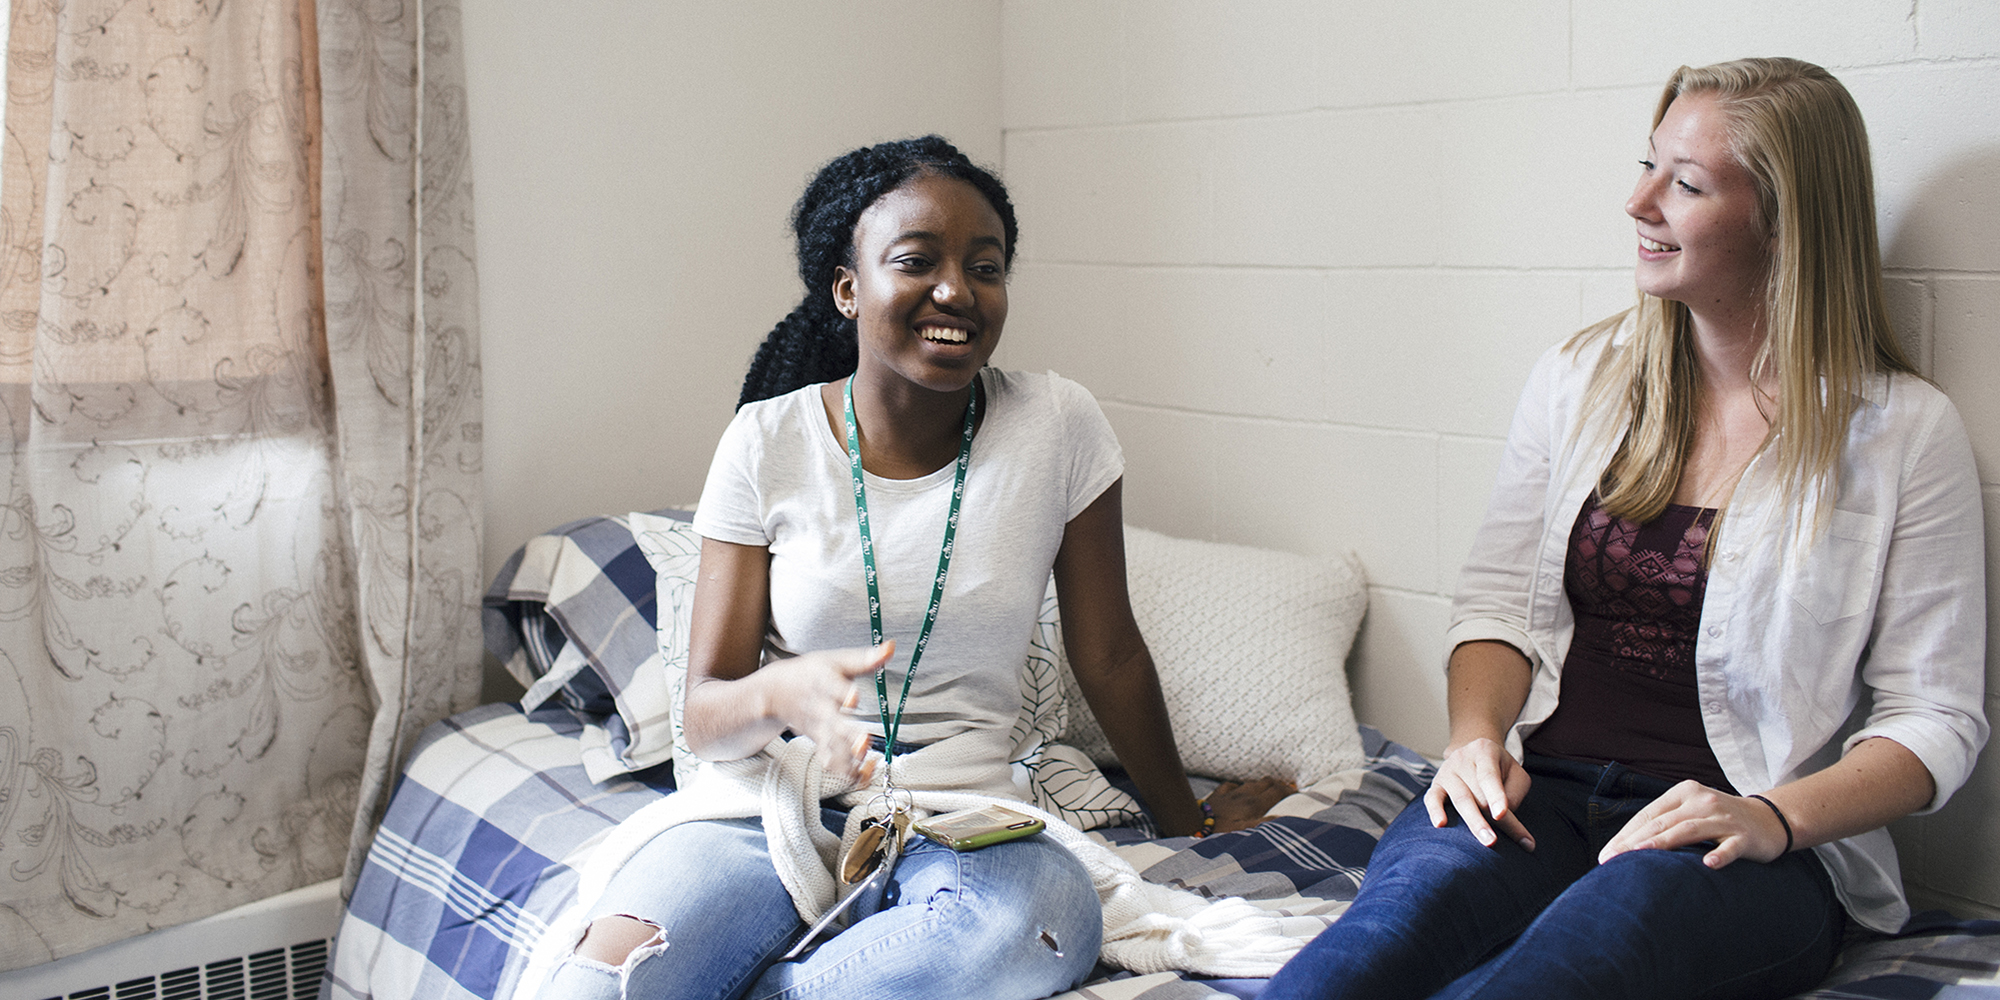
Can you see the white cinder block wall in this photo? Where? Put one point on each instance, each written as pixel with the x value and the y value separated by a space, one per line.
pixel 1305 253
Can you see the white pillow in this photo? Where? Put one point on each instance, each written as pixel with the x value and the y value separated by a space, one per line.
pixel 673 548
pixel 1251 647
pixel 1062 779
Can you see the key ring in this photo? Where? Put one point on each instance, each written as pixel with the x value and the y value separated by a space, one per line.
pixel 891 799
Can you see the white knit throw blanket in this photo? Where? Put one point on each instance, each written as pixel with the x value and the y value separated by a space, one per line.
pixel 1147 927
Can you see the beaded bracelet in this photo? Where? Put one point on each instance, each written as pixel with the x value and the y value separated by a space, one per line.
pixel 1782 821
pixel 1207 819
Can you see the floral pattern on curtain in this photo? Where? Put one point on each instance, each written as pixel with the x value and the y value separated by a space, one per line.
pixel 402 325
pixel 239 507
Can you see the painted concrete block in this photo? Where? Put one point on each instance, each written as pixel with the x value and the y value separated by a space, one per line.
pixel 1966 362
pixel 1061 63
pixel 1607 292
pixel 1466 467
pixel 1396 672
pixel 1541 181
pixel 1433 50
pixel 1992 600
pixel 1170 473
pixel 1910 311
pixel 1325 490
pixel 1620 42
pixel 1932 130
pixel 1955 861
pixel 1442 350
pixel 1958 29
pixel 1334 189
pixel 1207 58
pixel 1319 189
pixel 1131 195
pixel 1249 341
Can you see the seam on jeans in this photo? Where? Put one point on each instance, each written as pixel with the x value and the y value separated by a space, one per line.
pixel 823 980
pixel 1817 935
pixel 1498 960
pixel 933 914
pixel 1507 955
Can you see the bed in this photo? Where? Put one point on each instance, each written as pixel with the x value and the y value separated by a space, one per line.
pixel 500 806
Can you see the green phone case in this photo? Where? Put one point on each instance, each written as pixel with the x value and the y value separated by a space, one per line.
pixel 972 829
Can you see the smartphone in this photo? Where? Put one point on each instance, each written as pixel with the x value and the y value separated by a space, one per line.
pixel 972 829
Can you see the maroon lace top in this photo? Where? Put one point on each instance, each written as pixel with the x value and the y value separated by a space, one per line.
pixel 1628 685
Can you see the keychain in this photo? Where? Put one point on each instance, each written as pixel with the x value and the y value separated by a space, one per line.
pixel 867 866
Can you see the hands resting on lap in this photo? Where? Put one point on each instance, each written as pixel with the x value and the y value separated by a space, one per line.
pixel 1484 783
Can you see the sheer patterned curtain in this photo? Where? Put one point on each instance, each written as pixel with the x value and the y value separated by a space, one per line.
pixel 239 378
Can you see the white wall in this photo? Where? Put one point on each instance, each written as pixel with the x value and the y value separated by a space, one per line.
pixel 1305 252
pixel 635 164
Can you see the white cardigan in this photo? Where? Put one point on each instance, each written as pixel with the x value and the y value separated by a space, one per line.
pixel 1889 601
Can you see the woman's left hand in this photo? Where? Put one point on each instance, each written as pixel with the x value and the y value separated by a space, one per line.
pixel 1690 813
pixel 1240 805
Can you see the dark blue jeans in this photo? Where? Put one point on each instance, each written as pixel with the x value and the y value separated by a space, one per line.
pixel 1440 914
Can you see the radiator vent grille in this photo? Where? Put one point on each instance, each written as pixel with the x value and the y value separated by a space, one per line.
pixel 279 974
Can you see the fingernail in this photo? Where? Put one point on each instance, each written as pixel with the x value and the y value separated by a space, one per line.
pixel 1486 837
pixel 1527 843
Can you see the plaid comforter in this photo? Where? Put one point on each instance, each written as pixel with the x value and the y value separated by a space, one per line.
pixel 494 815
pixel 497 810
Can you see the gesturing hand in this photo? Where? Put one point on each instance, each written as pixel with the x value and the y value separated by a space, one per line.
pixel 1690 813
pixel 814 695
pixel 1484 783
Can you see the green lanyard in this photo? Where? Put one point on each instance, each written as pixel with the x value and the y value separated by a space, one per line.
pixel 891 724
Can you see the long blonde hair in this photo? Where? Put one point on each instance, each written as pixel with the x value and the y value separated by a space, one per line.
pixel 1800 136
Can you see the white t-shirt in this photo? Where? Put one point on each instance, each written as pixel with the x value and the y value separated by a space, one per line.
pixel 780 479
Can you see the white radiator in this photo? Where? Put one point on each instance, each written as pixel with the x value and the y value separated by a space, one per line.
pixel 273 949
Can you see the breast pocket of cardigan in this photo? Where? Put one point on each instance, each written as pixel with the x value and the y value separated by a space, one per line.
pixel 1836 578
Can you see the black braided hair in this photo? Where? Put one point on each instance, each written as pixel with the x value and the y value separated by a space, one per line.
pixel 815 343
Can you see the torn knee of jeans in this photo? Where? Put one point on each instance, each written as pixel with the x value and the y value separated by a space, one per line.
pixel 619 941
pixel 1049 941
pixel 581 962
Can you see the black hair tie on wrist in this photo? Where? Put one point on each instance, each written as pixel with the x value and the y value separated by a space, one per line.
pixel 1782 821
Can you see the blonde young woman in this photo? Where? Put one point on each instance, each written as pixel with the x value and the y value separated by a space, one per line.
pixel 1725 618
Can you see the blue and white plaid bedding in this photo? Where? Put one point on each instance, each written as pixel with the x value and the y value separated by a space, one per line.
pixel 494 814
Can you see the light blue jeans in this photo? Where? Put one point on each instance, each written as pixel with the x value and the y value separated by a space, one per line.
pixel 1014 920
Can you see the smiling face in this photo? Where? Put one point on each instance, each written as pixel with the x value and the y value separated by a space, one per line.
pixel 928 285
pixel 1702 239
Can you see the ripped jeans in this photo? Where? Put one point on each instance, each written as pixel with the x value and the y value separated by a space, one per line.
pixel 1018 919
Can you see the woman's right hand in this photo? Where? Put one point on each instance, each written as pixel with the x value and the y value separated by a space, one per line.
pixel 1484 783
pixel 814 695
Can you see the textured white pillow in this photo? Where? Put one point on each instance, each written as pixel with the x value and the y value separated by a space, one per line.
pixel 654 713
pixel 1251 647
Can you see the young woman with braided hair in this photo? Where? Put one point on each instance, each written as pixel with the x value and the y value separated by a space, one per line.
pixel 871 433
pixel 1725 618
